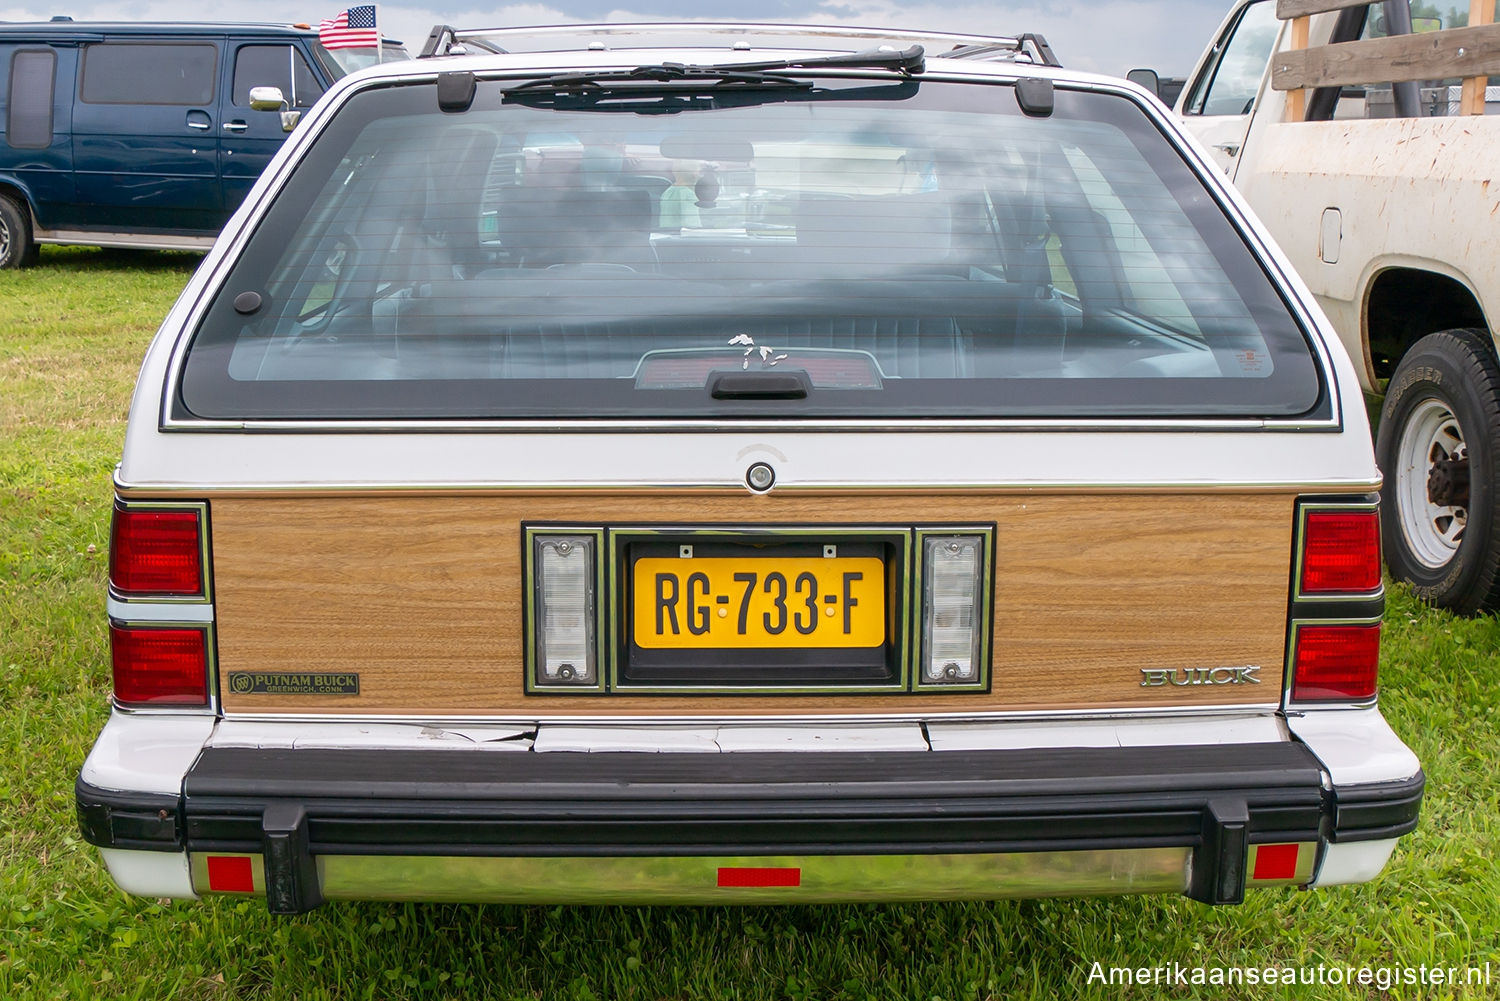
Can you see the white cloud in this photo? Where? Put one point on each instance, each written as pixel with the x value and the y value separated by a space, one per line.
pixel 1109 36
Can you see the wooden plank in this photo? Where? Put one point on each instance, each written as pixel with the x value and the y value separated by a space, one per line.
pixel 1472 102
pixel 1288 9
pixel 1433 55
pixel 422 596
pixel 1296 100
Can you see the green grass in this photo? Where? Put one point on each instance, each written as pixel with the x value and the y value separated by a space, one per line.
pixel 71 335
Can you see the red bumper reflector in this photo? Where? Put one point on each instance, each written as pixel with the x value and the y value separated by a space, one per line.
pixel 749 876
pixel 1336 663
pixel 1275 862
pixel 1341 552
pixel 159 667
pixel 230 874
pixel 155 552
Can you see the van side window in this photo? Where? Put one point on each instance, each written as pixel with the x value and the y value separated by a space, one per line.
pixel 149 73
pixel 275 66
pixel 28 119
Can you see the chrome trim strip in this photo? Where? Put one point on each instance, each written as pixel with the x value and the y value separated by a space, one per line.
pixel 650 36
pixel 665 425
pixel 205 557
pixel 126 241
pixel 725 719
pixel 694 879
pixel 737 487
pixel 140 610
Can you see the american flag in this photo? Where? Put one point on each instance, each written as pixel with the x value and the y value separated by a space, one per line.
pixel 352 28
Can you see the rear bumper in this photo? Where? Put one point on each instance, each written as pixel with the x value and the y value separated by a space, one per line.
pixel 305 824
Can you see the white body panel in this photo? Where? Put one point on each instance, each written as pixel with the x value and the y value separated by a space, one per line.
pixel 146 753
pixel 171 460
pixel 1355 745
pixel 1356 862
pixel 150 874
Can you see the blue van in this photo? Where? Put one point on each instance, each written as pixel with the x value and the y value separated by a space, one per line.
pixel 143 135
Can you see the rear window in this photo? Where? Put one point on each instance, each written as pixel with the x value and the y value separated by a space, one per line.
pixel 867 249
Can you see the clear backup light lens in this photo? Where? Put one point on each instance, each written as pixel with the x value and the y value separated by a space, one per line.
pixel 565 610
pixel 952 570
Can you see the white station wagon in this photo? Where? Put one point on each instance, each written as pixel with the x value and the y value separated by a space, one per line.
pixel 704 463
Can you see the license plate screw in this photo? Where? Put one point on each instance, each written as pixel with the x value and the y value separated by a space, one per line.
pixel 830 552
pixel 685 552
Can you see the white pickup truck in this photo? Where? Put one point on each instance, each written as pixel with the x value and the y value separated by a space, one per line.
pixel 1386 198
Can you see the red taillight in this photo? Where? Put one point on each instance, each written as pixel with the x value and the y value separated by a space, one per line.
pixel 156 551
pixel 159 666
pixel 1340 552
pixel 1335 663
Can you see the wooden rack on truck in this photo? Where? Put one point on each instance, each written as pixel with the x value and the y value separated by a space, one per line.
pixel 1471 52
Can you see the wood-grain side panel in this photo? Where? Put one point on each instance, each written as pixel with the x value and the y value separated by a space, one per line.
pixel 421 595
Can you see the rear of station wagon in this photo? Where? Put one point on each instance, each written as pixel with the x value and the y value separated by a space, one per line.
pixel 731 474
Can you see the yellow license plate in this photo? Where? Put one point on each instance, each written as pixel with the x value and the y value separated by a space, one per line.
pixel 750 603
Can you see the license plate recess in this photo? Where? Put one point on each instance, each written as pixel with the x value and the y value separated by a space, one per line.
pixel 762 611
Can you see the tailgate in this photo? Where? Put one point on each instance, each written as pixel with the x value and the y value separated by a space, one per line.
pixel 416 604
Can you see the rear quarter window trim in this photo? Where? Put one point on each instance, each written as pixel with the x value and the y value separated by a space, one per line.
pixel 1321 414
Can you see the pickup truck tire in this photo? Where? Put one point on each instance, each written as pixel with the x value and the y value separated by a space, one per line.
pixel 1438 445
pixel 16 248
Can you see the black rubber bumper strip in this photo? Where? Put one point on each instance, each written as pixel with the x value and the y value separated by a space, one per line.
pixel 1216 799
pixel 1377 811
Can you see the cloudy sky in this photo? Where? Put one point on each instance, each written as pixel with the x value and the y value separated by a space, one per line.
pixel 1108 36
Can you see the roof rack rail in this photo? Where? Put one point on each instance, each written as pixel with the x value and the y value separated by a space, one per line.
pixel 445 40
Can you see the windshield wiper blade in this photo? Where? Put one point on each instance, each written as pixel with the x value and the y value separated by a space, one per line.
pixel 734 76
pixel 667 73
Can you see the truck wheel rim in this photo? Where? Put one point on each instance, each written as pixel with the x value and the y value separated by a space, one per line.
pixel 1433 531
pixel 4 240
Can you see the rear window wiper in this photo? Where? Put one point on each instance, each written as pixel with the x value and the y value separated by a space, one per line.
pixel 729 77
pixel 674 74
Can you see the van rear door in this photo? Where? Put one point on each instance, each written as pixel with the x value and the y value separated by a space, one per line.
pixel 36 87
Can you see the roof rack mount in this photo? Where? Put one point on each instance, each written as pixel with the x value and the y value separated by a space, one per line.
pixel 739 37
